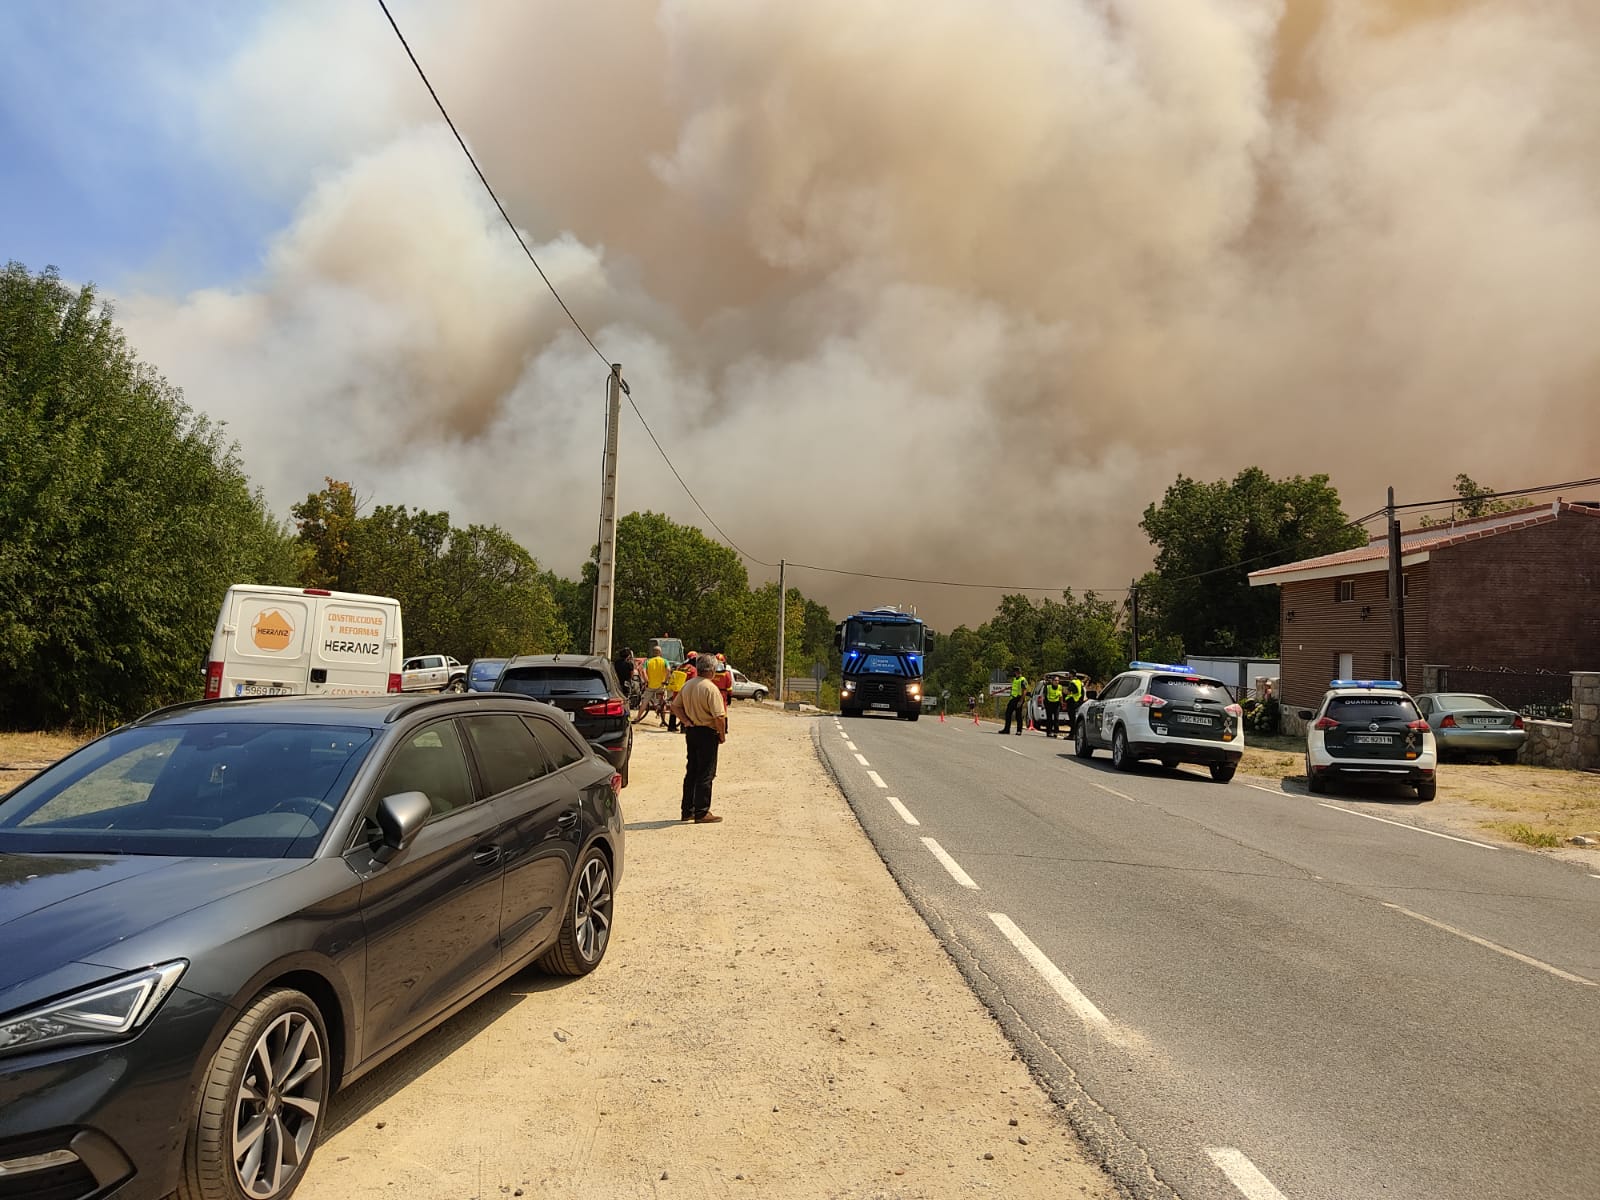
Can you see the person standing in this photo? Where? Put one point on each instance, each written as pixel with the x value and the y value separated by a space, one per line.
pixel 1053 695
pixel 681 674
pixel 1074 699
pixel 655 686
pixel 1019 701
pixel 705 727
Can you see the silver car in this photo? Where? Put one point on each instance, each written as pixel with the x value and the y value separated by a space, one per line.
pixel 1467 723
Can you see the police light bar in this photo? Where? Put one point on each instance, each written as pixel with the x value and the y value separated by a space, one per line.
pixel 1367 683
pixel 1144 666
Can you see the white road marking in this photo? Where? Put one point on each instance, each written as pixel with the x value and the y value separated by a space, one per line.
pixel 862 759
pixel 877 779
pixel 1267 790
pixel 1449 837
pixel 1495 946
pixel 1059 983
pixel 1113 792
pixel 905 813
pixel 950 864
pixel 1243 1174
pixel 1009 750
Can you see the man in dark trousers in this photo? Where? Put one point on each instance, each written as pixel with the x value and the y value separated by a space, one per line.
pixel 1019 701
pixel 705 727
pixel 1053 693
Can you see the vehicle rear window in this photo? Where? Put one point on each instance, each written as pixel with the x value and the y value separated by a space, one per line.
pixel 546 683
pixel 1456 701
pixel 1183 690
pixel 483 672
pixel 1372 708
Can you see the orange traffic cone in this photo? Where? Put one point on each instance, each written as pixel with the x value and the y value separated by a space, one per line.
pixel 941 716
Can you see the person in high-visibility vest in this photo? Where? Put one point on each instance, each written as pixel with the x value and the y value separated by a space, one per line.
pixel 1053 694
pixel 1074 699
pixel 1019 701
pixel 655 686
pixel 681 674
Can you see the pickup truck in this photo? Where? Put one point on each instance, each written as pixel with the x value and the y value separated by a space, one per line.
pixel 433 673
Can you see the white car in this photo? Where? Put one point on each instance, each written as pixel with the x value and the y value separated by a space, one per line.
pixel 745 688
pixel 433 673
pixel 1166 713
pixel 1370 730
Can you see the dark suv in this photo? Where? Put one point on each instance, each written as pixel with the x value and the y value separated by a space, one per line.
pixel 585 687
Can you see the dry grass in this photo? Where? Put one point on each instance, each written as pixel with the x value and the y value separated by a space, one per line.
pixel 23 755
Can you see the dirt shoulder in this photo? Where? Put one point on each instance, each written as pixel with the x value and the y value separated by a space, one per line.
pixel 772 1020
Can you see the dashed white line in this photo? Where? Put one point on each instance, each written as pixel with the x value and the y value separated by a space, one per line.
pixel 1267 790
pixel 1009 750
pixel 1449 837
pixel 1495 946
pixel 1059 983
pixel 877 779
pixel 905 813
pixel 1243 1174
pixel 950 864
pixel 862 759
pixel 1113 792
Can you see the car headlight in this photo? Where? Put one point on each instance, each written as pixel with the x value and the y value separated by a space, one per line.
pixel 849 685
pixel 102 1013
pixel 914 688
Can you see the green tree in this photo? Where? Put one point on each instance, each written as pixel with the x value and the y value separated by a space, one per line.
pixel 125 516
pixel 1476 501
pixel 1210 536
pixel 672 580
pixel 327 523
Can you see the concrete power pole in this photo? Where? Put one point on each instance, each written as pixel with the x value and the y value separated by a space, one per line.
pixel 1397 600
pixel 606 580
pixel 782 629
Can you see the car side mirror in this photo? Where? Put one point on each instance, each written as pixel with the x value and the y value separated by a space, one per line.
pixel 400 818
pixel 1305 714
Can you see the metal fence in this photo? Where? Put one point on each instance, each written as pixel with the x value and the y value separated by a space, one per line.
pixel 1544 694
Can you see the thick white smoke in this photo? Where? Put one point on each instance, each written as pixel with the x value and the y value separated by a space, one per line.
pixel 947 288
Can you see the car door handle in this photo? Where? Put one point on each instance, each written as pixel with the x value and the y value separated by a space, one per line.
pixel 568 819
pixel 486 856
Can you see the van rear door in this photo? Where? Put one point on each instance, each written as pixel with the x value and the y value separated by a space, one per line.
pixel 352 647
pixel 267 645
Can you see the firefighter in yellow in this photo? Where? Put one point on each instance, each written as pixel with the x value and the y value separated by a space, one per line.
pixel 1019 701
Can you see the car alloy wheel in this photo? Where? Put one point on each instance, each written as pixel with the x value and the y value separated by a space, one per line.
pixel 1080 742
pixel 1119 751
pixel 586 931
pixel 278 1105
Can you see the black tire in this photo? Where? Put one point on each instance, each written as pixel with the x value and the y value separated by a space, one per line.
pixel 912 716
pixel 268 1027
pixel 759 697
pixel 1509 757
pixel 586 926
pixel 1223 772
pixel 1428 789
pixel 1080 742
pixel 849 712
pixel 1120 758
pixel 1318 784
pixel 1169 764
pixel 457 685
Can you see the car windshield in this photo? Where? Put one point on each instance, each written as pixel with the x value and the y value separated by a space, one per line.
pixel 225 790
pixel 487 670
pixel 1181 689
pixel 1372 708
pixel 546 683
pixel 884 635
pixel 1455 701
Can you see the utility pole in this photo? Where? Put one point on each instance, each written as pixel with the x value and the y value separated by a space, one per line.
pixel 1397 601
pixel 782 629
pixel 606 580
pixel 1133 623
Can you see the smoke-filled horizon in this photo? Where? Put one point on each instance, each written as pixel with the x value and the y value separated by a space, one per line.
pixel 948 290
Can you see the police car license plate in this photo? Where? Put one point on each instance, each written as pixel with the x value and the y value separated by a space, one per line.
pixel 880 706
pixel 262 689
pixel 1187 719
pixel 1371 739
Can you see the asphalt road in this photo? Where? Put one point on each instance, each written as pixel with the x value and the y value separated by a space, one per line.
pixel 1240 992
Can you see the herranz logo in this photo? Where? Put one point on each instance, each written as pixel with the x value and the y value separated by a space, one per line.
pixel 272 630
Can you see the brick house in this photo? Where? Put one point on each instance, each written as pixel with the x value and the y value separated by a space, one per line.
pixel 1516 591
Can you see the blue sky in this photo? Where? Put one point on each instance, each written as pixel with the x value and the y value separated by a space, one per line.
pixel 105 168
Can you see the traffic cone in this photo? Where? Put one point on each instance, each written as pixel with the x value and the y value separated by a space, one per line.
pixel 941 716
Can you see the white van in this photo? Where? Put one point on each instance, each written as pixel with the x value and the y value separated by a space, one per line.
pixel 286 641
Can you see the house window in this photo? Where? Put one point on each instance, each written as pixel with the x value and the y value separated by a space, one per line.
pixel 1344 591
pixel 1344 666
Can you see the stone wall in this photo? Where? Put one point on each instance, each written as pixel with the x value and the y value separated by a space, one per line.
pixel 1569 745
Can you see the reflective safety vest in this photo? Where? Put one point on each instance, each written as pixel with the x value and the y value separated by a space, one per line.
pixel 1075 689
pixel 1019 685
pixel 679 678
pixel 1052 693
pixel 655 672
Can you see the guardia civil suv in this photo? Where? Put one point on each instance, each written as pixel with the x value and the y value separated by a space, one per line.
pixel 1371 730
pixel 1166 713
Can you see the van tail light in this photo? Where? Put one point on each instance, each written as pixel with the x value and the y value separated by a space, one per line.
pixel 213 680
pixel 1150 701
pixel 394 685
pixel 1326 723
pixel 614 707
pixel 1417 726
pixel 1449 722
pixel 1516 723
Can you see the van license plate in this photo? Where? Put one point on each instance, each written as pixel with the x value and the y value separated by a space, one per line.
pixel 880 706
pixel 261 689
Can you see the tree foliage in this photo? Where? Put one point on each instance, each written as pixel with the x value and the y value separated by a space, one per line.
pixel 1476 501
pixel 1210 536
pixel 1075 633
pixel 124 517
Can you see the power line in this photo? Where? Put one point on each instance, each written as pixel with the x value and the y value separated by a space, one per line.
pixel 1245 562
pixel 1523 491
pixel 483 179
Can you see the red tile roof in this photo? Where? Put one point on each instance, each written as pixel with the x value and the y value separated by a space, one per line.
pixel 1434 537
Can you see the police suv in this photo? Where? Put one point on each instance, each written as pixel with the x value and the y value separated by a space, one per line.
pixel 1370 729
pixel 1166 713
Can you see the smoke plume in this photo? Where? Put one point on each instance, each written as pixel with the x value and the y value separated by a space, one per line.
pixel 949 288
